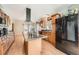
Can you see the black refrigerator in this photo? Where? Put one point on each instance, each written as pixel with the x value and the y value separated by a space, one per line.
pixel 67 28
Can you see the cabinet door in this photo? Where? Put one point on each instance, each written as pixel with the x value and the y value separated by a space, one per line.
pixel 34 47
pixel 51 37
pixel 45 33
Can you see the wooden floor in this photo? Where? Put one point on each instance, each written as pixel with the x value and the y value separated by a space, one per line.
pixel 69 47
pixel 48 49
pixel 17 47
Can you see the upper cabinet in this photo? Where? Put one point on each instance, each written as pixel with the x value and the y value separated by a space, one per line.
pixel 5 20
pixel 46 23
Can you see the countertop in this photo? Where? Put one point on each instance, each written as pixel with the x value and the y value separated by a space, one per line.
pixel 47 30
pixel 30 39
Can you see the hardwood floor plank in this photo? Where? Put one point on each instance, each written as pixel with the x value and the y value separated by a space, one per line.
pixel 17 47
pixel 49 49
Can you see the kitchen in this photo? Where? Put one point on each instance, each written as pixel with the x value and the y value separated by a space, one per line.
pixel 32 28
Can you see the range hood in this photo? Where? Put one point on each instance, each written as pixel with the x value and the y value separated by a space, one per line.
pixel 28 14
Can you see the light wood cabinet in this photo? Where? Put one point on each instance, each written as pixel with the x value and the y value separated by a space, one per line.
pixel 52 34
pixel 51 37
pixel 33 47
pixel 5 43
pixel 6 18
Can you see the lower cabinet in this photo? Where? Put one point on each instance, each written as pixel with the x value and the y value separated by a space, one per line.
pixel 33 46
pixel 51 37
pixel 5 44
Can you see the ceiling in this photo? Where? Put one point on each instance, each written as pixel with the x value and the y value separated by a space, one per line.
pixel 17 11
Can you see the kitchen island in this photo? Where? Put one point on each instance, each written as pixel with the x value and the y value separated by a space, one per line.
pixel 33 46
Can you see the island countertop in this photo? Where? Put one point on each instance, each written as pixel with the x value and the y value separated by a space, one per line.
pixel 35 38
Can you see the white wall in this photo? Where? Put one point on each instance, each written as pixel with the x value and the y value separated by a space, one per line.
pixel 0 6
